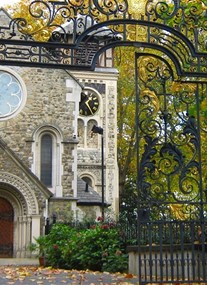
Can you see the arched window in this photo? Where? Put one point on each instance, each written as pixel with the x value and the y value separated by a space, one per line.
pixel 46 160
pixel 47 164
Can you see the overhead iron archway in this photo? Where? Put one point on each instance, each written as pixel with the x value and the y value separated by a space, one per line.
pixel 85 29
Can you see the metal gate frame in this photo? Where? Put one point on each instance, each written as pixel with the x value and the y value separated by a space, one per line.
pixel 87 29
pixel 171 33
pixel 171 236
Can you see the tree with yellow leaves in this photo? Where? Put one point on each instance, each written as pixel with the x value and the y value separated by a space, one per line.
pixel 40 18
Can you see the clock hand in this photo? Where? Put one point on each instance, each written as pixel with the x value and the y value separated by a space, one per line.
pixel 87 104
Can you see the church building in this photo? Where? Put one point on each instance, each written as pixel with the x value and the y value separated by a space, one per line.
pixel 51 162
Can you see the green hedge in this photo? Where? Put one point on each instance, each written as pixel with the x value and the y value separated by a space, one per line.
pixel 97 248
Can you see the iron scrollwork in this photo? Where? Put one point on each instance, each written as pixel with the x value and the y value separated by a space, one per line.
pixel 169 141
pixel 74 33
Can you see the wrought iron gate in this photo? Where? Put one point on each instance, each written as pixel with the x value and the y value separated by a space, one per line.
pixel 171 109
pixel 171 161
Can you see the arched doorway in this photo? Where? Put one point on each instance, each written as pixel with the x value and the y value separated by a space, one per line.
pixel 6 228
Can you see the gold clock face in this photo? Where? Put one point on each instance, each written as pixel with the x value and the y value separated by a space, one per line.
pixel 89 103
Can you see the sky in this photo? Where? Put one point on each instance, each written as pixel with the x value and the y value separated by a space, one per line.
pixel 5 2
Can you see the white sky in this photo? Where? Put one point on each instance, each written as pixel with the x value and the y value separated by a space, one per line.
pixel 5 2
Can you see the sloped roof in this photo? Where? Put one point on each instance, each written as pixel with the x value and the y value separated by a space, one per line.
pixel 24 168
pixel 87 195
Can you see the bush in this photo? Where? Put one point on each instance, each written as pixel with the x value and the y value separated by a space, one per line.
pixel 97 248
pixel 56 242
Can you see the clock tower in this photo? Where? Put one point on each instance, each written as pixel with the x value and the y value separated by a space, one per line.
pixel 98 107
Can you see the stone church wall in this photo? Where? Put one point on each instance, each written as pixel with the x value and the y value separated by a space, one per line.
pixel 46 105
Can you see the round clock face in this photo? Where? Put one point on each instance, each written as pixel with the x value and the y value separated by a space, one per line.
pixel 89 103
pixel 11 94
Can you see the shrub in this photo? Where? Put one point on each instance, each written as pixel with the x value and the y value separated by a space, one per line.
pixel 97 248
pixel 98 245
pixel 56 242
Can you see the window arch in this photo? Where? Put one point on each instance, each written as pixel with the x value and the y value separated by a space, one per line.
pixel 47 150
pixel 86 139
pixel 88 181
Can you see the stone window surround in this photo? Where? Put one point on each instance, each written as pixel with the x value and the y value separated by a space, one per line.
pixel 88 178
pixel 57 168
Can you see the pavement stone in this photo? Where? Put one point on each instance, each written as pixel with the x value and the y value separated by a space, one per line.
pixel 19 261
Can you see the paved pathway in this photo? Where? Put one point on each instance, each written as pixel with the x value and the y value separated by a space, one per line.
pixel 27 272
